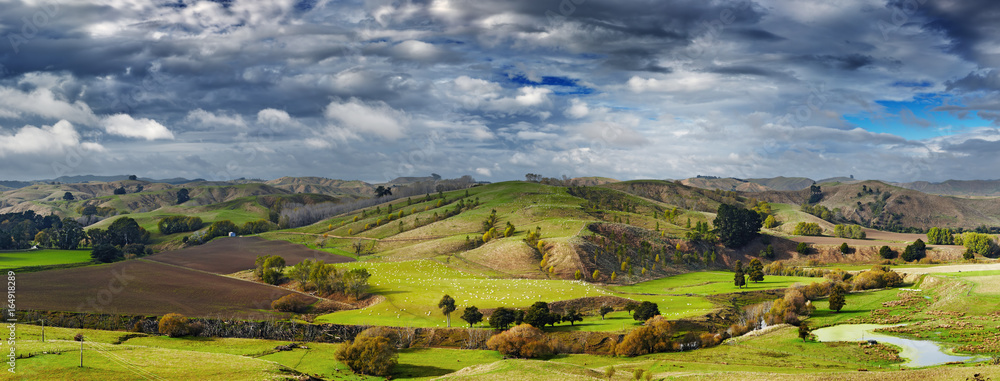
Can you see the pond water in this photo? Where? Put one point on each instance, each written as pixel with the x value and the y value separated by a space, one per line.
pixel 917 352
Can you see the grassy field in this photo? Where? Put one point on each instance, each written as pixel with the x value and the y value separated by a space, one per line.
pixel 412 290
pixel 46 257
pixel 710 283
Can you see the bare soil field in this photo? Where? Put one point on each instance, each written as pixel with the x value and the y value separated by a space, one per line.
pixel 140 287
pixel 228 255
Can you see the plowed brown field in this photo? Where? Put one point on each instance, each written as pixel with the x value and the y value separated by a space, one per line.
pixel 228 255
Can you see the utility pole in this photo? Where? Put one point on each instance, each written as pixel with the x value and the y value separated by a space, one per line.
pixel 43 330
pixel 81 353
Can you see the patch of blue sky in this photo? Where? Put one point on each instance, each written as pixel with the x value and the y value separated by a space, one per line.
pixel 916 119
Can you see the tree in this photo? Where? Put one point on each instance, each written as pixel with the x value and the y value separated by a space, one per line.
pixel 68 196
pixel 356 282
pixel 807 228
pixel 770 222
pixel 369 354
pixel 270 268
pixel 768 252
pixel 105 253
pixel 654 336
pixel 837 299
pixel 739 279
pixel 914 252
pixel 120 190
pixel 802 248
pixel 173 325
pixel 735 226
pixel 183 196
pixel 844 249
pixel 447 306
pixel 301 271
pixel 523 341
pixel 755 271
pixel 125 231
pixel 69 235
pixel 605 310
pixel 472 315
pixel 646 311
pixel 572 316
pixel 133 177
pixel 631 306
pixel 804 331
pixel 502 317
pixel 382 191
pixel 886 252
pixel 538 315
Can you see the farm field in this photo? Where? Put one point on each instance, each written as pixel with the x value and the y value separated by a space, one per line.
pixel 44 257
pixel 144 287
pixel 412 290
pixel 710 283
pixel 226 255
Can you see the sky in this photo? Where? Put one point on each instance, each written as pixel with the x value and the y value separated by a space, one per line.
pixel 372 90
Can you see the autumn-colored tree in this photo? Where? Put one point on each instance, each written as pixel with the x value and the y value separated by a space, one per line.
pixel 369 354
pixel 291 303
pixel 523 341
pixel 654 336
pixel 173 325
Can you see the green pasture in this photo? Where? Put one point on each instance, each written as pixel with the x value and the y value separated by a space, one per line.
pixel 44 257
pixel 710 283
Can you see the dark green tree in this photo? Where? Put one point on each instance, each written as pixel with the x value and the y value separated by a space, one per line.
pixel 538 315
pixel 125 231
pixel 605 310
pixel 844 249
pixel 572 316
pixel 837 299
pixel 645 311
pixel 120 190
pixel 69 235
pixel 356 282
pixel 502 318
pixel 755 271
pixel 382 191
pixel 270 268
pixel 768 252
pixel 802 248
pixel 183 196
pixel 68 196
pixel 736 226
pixel 631 306
pixel 739 278
pixel 105 253
pixel 886 252
pixel 447 306
pixel 472 315
pixel 804 331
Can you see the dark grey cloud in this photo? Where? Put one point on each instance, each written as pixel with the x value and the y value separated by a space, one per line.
pixel 370 89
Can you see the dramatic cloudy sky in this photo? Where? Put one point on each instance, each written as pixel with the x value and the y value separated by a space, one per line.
pixel 371 90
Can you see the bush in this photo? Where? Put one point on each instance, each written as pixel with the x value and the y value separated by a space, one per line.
pixel 802 248
pixel 178 224
pixel 646 311
pixel 914 252
pixel 78 337
pixel 886 252
pixel 370 355
pixel 807 228
pixel 296 303
pixel 523 341
pixel 878 277
pixel 654 336
pixel 106 253
pixel 844 249
pixel 173 325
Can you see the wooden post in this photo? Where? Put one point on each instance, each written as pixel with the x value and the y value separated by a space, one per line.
pixel 43 330
pixel 81 353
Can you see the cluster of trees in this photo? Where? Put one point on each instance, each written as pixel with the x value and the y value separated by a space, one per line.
pixel 753 272
pixel 977 243
pixel 177 325
pixel 179 224
pixel 270 268
pixel 372 352
pixel 736 226
pixel 820 211
pixel 779 268
pixel 123 236
pixel 701 232
pixel 522 341
pixel 939 236
pixel 183 195
pixel 327 279
pixel 653 337
pixel 222 228
pixel 18 230
pixel 878 277
pixel 807 228
pixel 849 231
pixel 93 210
pixel 600 200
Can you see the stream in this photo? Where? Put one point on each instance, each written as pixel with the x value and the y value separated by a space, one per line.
pixel 918 353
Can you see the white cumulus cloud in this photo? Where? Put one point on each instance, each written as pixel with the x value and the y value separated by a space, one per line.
pixel 125 125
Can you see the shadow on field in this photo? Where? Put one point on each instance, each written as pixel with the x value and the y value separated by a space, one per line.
pixel 413 371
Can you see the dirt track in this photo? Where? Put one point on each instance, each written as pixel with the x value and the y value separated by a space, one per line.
pixel 949 268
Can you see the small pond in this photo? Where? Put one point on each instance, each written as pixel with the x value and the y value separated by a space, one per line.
pixel 918 353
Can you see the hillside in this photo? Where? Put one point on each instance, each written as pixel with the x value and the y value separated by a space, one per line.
pixel 320 185
pixel 970 188
pixel 784 183
pixel 727 184
pixel 877 204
